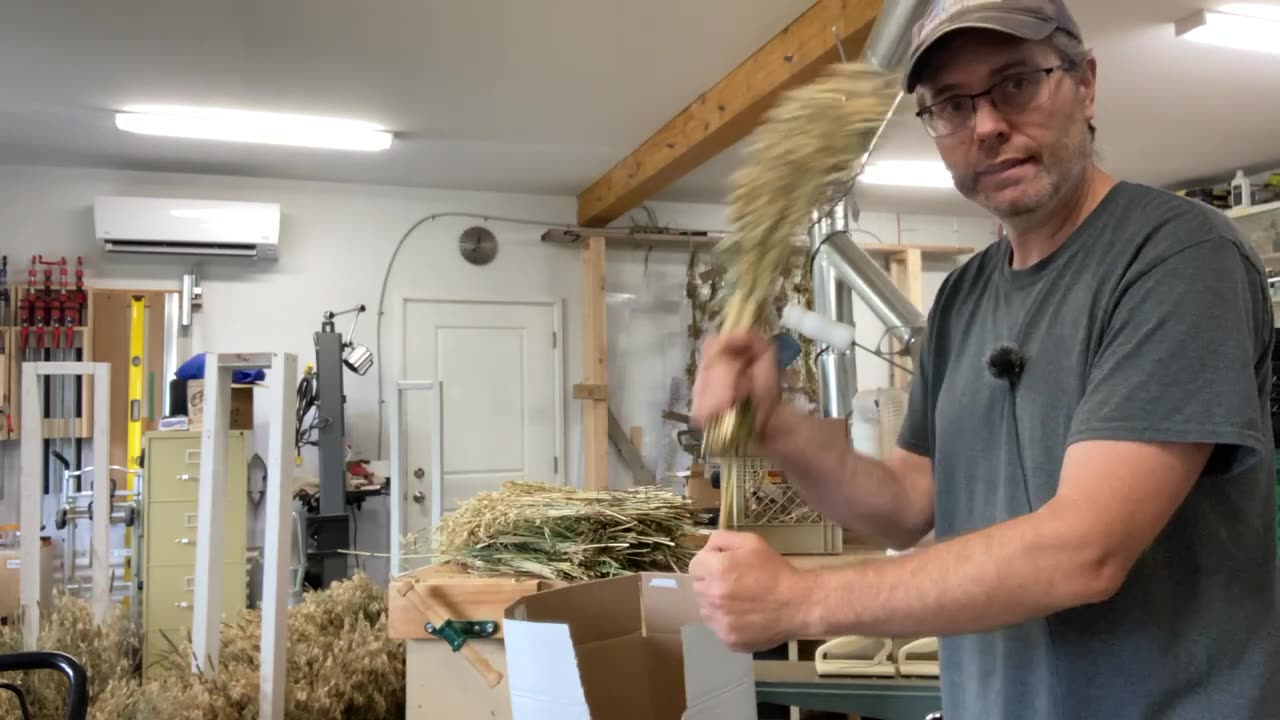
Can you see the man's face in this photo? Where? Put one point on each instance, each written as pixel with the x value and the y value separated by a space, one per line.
pixel 1014 165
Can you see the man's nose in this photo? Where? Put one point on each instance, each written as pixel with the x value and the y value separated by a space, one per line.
pixel 988 122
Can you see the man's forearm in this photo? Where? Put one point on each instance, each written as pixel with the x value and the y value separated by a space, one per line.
pixel 1025 568
pixel 859 492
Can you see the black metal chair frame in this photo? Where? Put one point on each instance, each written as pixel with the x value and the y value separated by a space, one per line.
pixel 77 707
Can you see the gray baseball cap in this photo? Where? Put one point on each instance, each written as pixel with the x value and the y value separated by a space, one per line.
pixel 1027 19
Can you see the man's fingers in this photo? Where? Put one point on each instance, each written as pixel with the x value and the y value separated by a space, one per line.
pixel 724 373
pixel 747 344
pixel 728 540
pixel 698 567
pixel 765 385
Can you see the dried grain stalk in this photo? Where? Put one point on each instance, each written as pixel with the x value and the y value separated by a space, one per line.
pixel 340 664
pixel 561 533
pixel 106 650
pixel 807 145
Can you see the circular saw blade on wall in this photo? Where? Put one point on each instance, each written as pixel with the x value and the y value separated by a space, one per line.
pixel 478 245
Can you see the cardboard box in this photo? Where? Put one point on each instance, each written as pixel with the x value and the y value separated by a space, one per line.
pixel 627 648
pixel 241 406
pixel 699 489
pixel 10 572
pixel 440 683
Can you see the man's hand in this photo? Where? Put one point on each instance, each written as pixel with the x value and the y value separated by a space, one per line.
pixel 733 368
pixel 748 594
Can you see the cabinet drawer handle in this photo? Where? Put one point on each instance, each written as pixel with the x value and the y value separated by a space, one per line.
pixel 185 541
pixel 183 605
pixel 188 478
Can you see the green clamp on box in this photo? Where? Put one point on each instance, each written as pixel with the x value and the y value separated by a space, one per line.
pixel 457 632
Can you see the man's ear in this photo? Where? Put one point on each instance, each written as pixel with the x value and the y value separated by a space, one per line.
pixel 1089 85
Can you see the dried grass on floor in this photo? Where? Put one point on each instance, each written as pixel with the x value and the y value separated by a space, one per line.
pixel 105 651
pixel 802 155
pixel 561 533
pixel 340 664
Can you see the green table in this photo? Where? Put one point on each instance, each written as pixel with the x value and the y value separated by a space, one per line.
pixel 798 684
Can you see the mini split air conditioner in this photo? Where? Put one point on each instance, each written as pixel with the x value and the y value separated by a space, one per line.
pixel 165 226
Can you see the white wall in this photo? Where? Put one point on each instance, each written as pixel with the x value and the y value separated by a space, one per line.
pixel 336 240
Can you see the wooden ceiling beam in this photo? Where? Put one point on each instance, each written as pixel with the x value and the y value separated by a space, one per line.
pixel 731 109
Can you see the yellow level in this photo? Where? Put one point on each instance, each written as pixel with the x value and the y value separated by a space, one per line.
pixel 133 459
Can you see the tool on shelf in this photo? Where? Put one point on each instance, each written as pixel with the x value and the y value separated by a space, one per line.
pixel 855 656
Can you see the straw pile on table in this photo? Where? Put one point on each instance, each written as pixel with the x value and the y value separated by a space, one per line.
pixel 804 153
pixel 340 664
pixel 105 650
pixel 561 533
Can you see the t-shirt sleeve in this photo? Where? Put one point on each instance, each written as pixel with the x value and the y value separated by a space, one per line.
pixel 916 434
pixel 1179 356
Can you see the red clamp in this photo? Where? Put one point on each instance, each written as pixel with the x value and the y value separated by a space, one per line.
pixel 55 319
pixel 72 316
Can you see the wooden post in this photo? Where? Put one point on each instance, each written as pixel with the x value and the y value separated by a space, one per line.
pixel 906 268
pixel 595 368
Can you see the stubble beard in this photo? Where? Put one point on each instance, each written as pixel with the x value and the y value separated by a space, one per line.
pixel 1060 169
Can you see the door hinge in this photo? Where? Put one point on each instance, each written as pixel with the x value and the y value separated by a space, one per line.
pixel 555 465
pixel 555 340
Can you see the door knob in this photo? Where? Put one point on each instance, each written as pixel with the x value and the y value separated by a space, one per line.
pixel 419 497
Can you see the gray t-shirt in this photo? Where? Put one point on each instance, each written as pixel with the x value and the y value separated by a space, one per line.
pixel 1152 322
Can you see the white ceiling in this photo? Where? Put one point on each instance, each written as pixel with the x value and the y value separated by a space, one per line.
pixel 538 96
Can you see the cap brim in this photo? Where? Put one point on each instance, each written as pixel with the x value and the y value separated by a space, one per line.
pixel 1027 28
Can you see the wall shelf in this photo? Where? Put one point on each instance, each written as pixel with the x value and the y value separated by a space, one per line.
pixel 1237 213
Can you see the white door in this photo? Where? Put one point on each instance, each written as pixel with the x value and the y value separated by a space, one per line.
pixel 500 366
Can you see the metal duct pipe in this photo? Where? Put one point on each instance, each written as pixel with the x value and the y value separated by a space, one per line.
pixel 839 268
pixel 833 298
pixel 890 38
pixel 887 48
pixel 851 264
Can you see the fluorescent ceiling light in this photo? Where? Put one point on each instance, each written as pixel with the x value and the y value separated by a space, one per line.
pixel 1255 10
pixel 908 173
pixel 253 127
pixel 1245 27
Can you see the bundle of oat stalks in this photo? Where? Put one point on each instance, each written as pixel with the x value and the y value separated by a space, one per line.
pixel 105 650
pixel 561 533
pixel 341 664
pixel 803 155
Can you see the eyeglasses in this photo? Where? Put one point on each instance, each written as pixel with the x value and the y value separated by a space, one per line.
pixel 1015 93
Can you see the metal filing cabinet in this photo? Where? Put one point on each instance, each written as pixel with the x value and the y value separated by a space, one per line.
pixel 169 520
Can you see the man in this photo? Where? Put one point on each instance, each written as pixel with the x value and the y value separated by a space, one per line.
pixel 1106 517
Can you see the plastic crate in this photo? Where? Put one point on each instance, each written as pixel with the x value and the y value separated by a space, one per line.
pixel 769 506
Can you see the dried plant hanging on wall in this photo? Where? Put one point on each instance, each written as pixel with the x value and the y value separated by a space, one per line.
pixel 705 290
pixel 806 151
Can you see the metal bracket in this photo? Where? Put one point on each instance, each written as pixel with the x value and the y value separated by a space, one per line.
pixel 458 632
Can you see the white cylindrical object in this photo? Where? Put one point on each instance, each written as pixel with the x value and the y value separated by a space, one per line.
pixel 865 423
pixel 836 335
